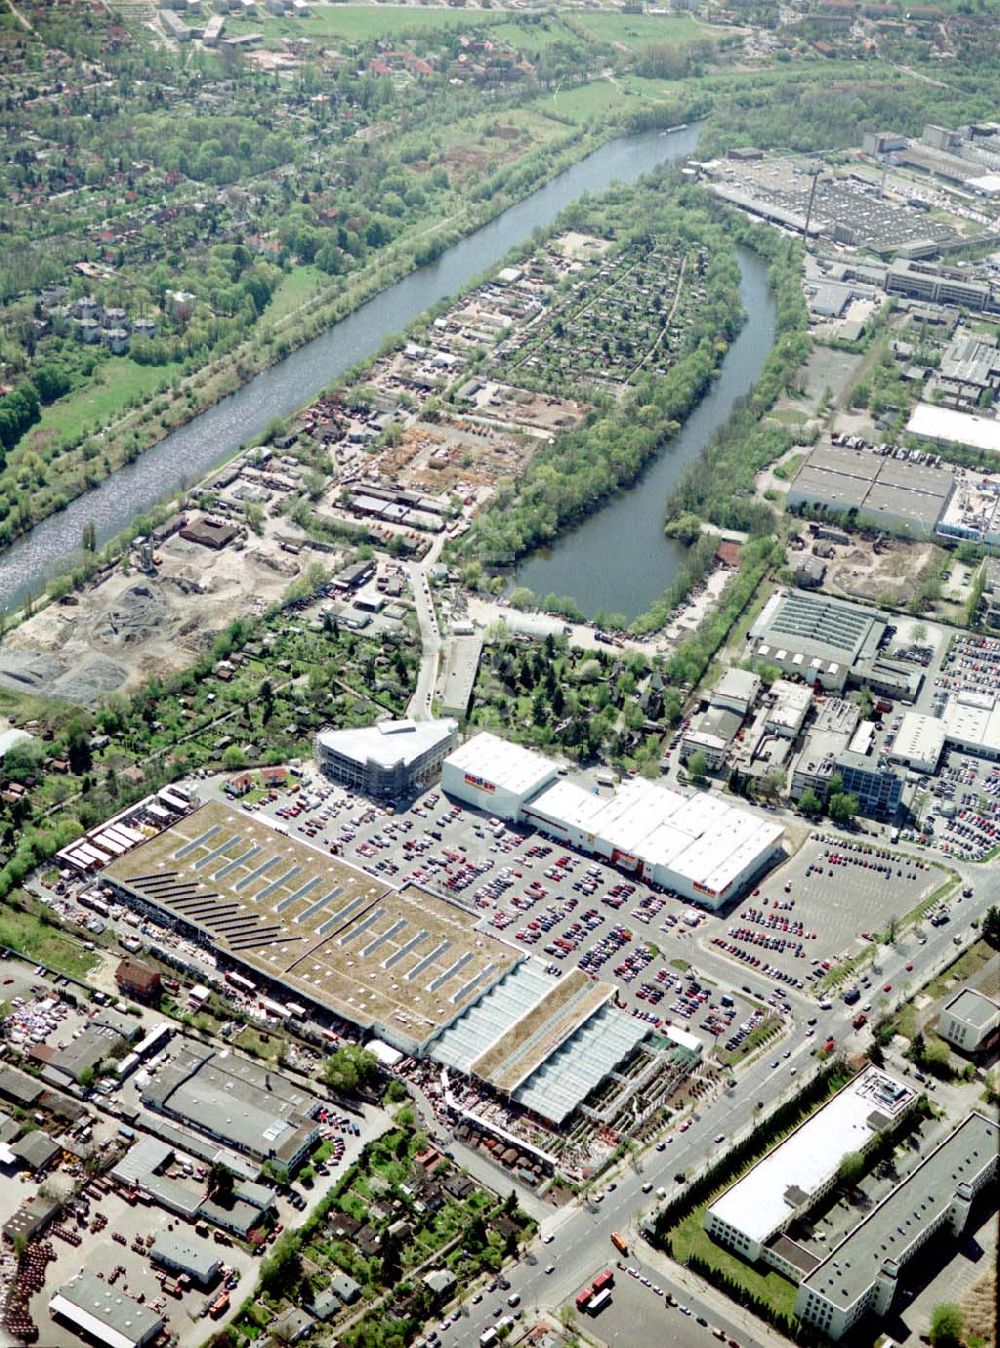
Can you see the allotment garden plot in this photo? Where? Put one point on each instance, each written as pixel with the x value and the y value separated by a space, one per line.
pixel 626 312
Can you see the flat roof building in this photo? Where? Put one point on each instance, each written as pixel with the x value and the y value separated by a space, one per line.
pixel 882 491
pixel 815 638
pixel 861 1274
pixel 400 963
pixel 802 1169
pixel 789 707
pixel 972 724
pixel 250 1108
pixel 104 1313
pixel 184 1254
pixel 736 691
pixel 544 1043
pixel 948 426
pixel 970 1021
pixel 700 847
pixel 919 742
pixel 391 759
pixel 496 775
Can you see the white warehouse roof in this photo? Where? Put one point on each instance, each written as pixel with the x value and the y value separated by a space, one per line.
pixel 758 1204
pixel 508 766
pixel 920 740
pixel 943 423
pixel 702 838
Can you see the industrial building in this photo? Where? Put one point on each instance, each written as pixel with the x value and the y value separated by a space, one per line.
pixel 951 427
pixel 236 1102
pixel 970 1022
pixel 736 691
pixel 496 775
pixel 105 1314
pixel 861 1274
pixel 710 735
pixel 181 1254
pixel 817 639
pixel 972 724
pixel 787 708
pixel 700 847
pixel 816 762
pixel 919 742
pixel 880 491
pixel 391 760
pixel 542 1042
pixel 752 1215
pixel 400 963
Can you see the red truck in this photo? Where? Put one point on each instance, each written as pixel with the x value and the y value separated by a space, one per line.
pixel 596 1292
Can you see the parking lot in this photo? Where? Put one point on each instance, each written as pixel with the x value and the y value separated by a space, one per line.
pixel 808 913
pixel 544 899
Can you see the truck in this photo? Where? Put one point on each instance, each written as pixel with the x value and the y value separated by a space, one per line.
pixel 219 1306
pixel 488 1337
pixel 619 1242
pixel 603 1280
pixel 859 1020
pixel 598 1302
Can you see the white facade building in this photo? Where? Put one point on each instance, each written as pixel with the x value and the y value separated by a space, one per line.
pixel 496 775
pixel 970 1021
pixel 800 1171
pixel 701 847
pixel 919 742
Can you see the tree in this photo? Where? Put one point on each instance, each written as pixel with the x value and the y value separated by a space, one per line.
pixel 875 1055
pixel 843 807
pixel 991 923
pixel 698 766
pixel 350 1067
pixel 89 539
pixel 851 1168
pixel 221 1183
pixel 892 929
pixel 78 751
pixel 809 803
pixel 947 1324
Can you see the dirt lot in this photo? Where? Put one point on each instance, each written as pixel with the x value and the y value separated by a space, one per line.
pixel 133 625
pixel 454 455
pixel 579 247
pixel 890 576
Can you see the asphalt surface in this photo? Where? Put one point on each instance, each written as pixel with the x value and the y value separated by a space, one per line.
pixel 582 1247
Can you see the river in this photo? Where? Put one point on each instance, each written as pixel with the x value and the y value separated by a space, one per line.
pixel 619 559
pixel 190 452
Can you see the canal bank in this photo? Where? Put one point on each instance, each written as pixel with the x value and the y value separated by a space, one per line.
pixel 187 454
pixel 619 560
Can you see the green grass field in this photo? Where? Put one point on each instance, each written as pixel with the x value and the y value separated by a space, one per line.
pixel 690 1237
pixel 38 941
pixel 365 23
pixel 296 287
pixel 104 397
pixel 638 31
pixel 602 98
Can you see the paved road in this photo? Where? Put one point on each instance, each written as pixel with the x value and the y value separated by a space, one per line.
pixel 581 1244
pixel 421 706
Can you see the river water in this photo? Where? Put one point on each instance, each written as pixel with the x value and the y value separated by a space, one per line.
pixel 619 559
pixel 209 439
